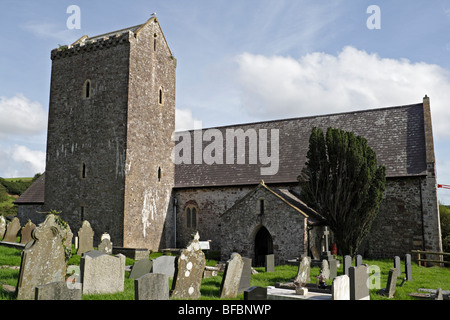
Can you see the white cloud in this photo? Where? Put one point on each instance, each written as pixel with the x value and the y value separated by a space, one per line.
pixel 184 120
pixel 320 83
pixel 20 161
pixel 47 30
pixel 20 116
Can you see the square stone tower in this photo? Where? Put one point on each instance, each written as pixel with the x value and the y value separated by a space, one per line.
pixel 111 118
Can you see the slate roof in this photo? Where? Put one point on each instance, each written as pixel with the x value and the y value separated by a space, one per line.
pixel 396 134
pixel 34 194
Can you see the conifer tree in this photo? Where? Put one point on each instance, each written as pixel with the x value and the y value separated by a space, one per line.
pixel 344 183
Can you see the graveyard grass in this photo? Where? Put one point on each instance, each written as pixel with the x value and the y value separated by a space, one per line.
pixel 430 278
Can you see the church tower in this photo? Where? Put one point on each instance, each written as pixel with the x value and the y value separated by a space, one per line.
pixel 111 118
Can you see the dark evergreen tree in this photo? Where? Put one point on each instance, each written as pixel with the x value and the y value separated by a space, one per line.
pixel 344 183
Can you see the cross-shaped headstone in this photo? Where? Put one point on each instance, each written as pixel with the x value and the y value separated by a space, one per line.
pixel 326 233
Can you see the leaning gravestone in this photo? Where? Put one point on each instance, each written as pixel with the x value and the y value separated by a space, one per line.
pixel 85 238
pixel 359 289
pixel 102 273
pixel 389 291
pixel 57 291
pixel 246 275
pixel 164 265
pixel 2 226
pixel 189 271
pixel 140 268
pixel 12 229
pixel 340 289
pixel 152 286
pixel 43 260
pixel 408 270
pixel 303 274
pixel 26 232
pixel 232 277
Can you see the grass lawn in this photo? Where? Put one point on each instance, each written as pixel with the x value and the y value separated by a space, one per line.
pixel 430 278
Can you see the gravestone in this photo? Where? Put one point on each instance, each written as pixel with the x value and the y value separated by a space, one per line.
pixel 106 246
pixel 102 273
pixel 326 254
pixel 270 263
pixel 389 291
pixel 347 264
pixel 164 265
pixel 57 291
pixel 152 286
pixel 26 232
pixel 333 268
pixel 189 271
pixel 12 229
pixel 325 270
pixel 255 293
pixel 408 270
pixel 340 289
pixel 140 268
pixel 358 260
pixel 85 238
pixel 359 289
pixel 303 274
pixel 246 275
pixel 43 260
pixel 2 227
pixel 397 264
pixel 232 277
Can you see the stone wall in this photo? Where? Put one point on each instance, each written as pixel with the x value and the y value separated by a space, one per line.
pixel 241 223
pixel 151 122
pixel 89 134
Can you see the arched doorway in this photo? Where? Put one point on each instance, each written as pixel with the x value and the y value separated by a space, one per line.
pixel 263 246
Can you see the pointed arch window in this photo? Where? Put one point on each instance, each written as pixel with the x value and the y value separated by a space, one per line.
pixel 160 96
pixel 87 89
pixel 191 215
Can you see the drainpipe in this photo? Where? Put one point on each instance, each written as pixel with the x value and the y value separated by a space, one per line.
pixel 175 203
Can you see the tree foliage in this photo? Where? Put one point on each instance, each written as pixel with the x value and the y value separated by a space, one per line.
pixel 344 183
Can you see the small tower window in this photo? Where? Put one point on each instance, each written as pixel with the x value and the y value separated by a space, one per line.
pixel 83 170
pixel 261 206
pixel 154 41
pixel 159 174
pixel 160 96
pixel 82 213
pixel 87 89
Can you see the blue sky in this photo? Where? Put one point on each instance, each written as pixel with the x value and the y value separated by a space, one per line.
pixel 240 61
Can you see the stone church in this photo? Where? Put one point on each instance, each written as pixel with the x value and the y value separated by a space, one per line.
pixel 111 161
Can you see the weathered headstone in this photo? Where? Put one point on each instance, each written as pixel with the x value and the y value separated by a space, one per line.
pixel 246 275
pixel 359 289
pixel 397 264
pixel 43 260
pixel 102 273
pixel 439 295
pixel 270 263
pixel 85 238
pixel 189 271
pixel 140 268
pixel 389 291
pixel 333 268
pixel 304 271
pixel 12 229
pixel 358 260
pixel 2 226
pixel 106 246
pixel 25 233
pixel 152 286
pixel 231 277
pixel 325 270
pixel 255 293
pixel 408 270
pixel 340 289
pixel 347 264
pixel 164 265
pixel 57 291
